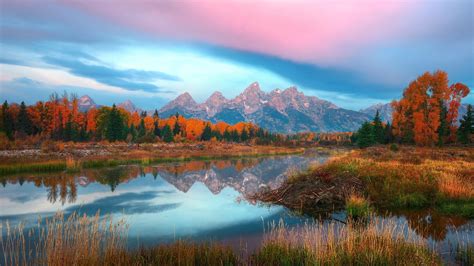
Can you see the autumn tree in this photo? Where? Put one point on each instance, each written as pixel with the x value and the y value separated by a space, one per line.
pixel 417 116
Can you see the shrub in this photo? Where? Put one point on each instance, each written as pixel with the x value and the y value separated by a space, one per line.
pixel 394 147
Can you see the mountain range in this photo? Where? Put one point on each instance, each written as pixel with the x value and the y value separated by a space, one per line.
pixel 284 111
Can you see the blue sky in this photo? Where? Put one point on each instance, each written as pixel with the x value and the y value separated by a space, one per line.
pixel 353 53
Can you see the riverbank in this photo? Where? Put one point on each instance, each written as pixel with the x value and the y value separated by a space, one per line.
pixel 387 178
pixel 83 240
pixel 73 157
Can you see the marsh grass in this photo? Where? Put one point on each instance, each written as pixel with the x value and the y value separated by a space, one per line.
pixel 377 242
pixel 465 254
pixel 357 207
pixel 60 240
pixel 409 179
pixel 96 240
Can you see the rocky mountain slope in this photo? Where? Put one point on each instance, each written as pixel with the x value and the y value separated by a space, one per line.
pixel 284 111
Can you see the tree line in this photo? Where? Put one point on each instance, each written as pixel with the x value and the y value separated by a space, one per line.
pixel 59 118
pixel 426 116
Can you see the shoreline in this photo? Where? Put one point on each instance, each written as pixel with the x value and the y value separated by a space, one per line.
pixel 407 179
pixel 76 157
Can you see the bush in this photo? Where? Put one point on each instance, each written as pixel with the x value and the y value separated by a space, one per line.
pixel 394 147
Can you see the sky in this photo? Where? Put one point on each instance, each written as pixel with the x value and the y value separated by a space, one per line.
pixel 354 53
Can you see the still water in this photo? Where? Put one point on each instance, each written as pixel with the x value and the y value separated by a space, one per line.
pixel 196 200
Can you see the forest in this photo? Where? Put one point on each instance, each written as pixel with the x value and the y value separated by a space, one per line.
pixel 60 119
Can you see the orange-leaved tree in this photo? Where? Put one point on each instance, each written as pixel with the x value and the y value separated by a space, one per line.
pixel 418 116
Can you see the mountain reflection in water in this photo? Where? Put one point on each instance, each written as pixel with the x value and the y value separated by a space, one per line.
pixel 195 199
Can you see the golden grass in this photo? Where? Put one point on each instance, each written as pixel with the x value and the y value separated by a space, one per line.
pixel 379 242
pixel 75 240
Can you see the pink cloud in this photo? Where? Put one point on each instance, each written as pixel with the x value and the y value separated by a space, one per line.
pixel 310 31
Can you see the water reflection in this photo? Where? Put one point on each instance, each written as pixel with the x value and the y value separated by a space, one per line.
pixel 196 199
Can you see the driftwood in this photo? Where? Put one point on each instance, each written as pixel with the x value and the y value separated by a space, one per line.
pixel 312 194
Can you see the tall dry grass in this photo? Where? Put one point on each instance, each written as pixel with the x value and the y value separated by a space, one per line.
pixel 379 242
pixel 60 240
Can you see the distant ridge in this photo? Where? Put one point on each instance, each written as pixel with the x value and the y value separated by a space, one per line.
pixel 285 111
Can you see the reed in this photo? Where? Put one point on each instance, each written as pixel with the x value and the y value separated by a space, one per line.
pixel 82 240
pixel 378 242
pixel 60 240
pixel 357 206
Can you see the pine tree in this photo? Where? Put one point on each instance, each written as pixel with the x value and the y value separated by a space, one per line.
pixel 443 130
pixel 365 135
pixel 156 116
pixel 156 129
pixel 235 136
pixel 176 128
pixel 227 137
pixel 207 133
pixel 24 122
pixel 388 133
pixel 141 129
pixel 67 136
pixel 244 136
pixel 379 133
pixel 466 128
pixel 115 126
pixel 133 133
pixel 167 134
pixel 8 126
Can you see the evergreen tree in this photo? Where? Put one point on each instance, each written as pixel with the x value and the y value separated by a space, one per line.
pixel 67 136
pixel 379 133
pixel 216 134
pixel 156 129
pixel 114 127
pixel 466 128
pixel 365 135
pixel 227 137
pixel 207 133
pixel 24 122
pixel 244 136
pixel 176 128
pixel 141 129
pixel 167 134
pixel 8 126
pixel 388 133
pixel 443 130
pixel 133 133
pixel 235 136
pixel 59 134
pixel 156 116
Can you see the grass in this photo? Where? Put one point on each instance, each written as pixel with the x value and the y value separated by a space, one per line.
pixel 357 207
pixel 71 165
pixel 82 240
pixel 60 240
pixel 465 254
pixel 376 243
pixel 410 178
